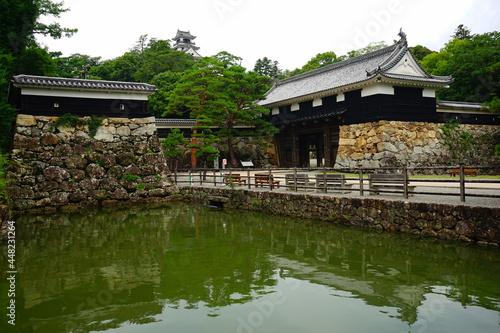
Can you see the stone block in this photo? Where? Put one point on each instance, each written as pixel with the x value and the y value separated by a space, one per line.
pixel 123 131
pixel 147 120
pixel 104 134
pixel 144 130
pixel 56 173
pixel 25 120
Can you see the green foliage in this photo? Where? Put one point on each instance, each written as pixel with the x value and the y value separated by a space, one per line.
pixel 367 49
pixel 7 119
pixel 328 58
pixel 493 105
pixel 459 143
pixel 267 67
pixel 420 52
pixel 4 161
pixel 165 84
pixel 141 186
pixel 73 65
pixel 172 143
pixel 462 32
pixel 94 123
pixel 69 120
pixel 473 61
pixel 221 96
pixel 144 62
pixel 130 177
pixel 19 53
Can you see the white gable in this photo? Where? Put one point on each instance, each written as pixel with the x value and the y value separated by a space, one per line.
pixel 407 66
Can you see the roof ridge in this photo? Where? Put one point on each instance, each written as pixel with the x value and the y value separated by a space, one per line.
pixel 78 83
pixel 340 64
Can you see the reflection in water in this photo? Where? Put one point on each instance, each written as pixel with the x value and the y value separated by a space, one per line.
pixel 190 269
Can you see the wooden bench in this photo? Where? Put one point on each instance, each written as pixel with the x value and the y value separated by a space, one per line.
pixel 334 182
pixel 234 178
pixel 470 172
pixel 387 181
pixel 265 178
pixel 297 181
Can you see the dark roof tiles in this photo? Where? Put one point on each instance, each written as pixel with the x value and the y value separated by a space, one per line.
pixel 67 83
pixel 345 73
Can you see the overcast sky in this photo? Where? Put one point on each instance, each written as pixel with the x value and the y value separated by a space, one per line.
pixel 291 32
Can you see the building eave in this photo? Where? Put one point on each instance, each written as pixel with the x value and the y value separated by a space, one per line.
pixel 57 83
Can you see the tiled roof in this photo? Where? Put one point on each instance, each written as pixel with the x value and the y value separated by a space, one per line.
pixel 183 34
pixel 66 83
pixel 171 121
pixel 459 105
pixel 345 73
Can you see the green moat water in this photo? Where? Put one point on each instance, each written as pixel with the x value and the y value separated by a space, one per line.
pixel 182 268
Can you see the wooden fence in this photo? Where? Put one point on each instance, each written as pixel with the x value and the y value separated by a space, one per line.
pixel 404 181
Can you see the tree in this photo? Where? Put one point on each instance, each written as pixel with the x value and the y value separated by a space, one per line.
pixel 165 84
pixel 367 49
pixel 462 32
pixel 73 65
pixel 19 52
pixel 143 62
pixel 420 52
pixel 221 96
pixel 320 60
pixel 267 67
pixel 172 143
pixel 475 65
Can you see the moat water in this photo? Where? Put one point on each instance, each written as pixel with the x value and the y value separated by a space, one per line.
pixel 182 268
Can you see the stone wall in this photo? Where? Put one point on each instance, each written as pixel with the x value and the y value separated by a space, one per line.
pixel 64 166
pixel 450 222
pixel 396 143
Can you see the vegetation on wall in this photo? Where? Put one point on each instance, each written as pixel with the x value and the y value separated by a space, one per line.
pixel 69 120
pixel 464 147
pixel 4 160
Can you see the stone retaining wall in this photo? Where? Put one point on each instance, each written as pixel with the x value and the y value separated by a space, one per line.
pixel 397 143
pixel 64 166
pixel 450 222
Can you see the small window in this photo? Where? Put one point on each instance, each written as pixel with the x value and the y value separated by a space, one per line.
pixel 122 107
pixel 56 105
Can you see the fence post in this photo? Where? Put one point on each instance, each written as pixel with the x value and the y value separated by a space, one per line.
pixel 295 179
pixel 248 179
pixel 405 182
pixel 175 177
pixel 325 188
pixel 462 183
pixel 270 180
pixel 190 177
pixel 215 178
pixel 361 189
pixel 201 177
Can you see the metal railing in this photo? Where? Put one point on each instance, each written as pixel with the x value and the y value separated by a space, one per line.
pixel 356 180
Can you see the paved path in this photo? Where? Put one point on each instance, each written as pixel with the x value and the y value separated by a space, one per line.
pixel 440 192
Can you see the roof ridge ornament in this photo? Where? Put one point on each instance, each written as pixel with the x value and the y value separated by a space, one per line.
pixel 403 37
